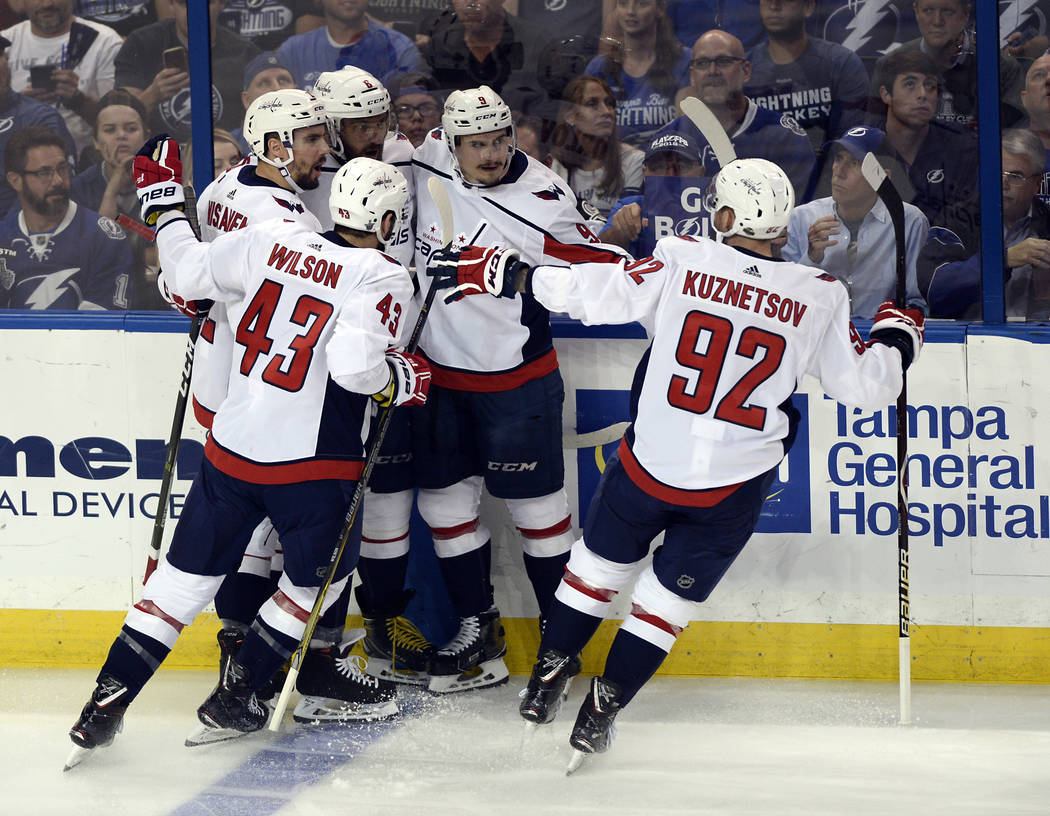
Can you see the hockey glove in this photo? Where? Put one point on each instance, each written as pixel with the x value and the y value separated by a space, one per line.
pixel 158 178
pixel 190 308
pixel 409 380
pixel 900 328
pixel 475 271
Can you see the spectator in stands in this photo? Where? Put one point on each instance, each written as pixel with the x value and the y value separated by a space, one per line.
pixel 528 131
pixel 672 154
pixel 718 72
pixel 120 130
pixel 80 54
pixel 413 18
pixel 946 38
pixel 151 66
pixel 599 167
pixel 821 84
pixel 348 37
pixel 950 263
pixel 267 23
pixel 226 152
pixel 849 234
pixel 940 158
pixel 18 111
pixel 1036 100
pixel 579 17
pixel 644 65
pixel 123 16
pixel 54 254
pixel 477 42
pixel 263 74
pixel 417 105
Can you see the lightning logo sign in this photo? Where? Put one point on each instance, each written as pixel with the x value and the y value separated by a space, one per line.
pixel 866 27
pixel 1020 15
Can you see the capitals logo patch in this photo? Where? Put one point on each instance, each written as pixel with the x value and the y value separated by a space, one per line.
pixel 288 205
pixel 552 193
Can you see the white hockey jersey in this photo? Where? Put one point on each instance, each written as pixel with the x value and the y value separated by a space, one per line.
pixel 732 334
pixel 397 150
pixel 236 199
pixel 485 344
pixel 310 313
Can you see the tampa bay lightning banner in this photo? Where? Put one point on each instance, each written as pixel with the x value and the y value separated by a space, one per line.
pixel 673 206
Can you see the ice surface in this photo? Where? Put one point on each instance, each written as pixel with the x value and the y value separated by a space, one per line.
pixel 685 746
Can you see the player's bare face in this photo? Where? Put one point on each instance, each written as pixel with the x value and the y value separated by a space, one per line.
pixel 941 21
pixel 364 137
pixel 637 16
pixel 914 99
pixel 595 113
pixel 309 146
pixel 483 157
pixel 46 181
pixel 118 134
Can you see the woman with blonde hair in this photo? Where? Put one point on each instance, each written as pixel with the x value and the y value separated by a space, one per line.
pixel 586 141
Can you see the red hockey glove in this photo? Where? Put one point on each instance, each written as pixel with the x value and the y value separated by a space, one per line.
pixel 190 308
pixel 409 380
pixel 900 328
pixel 158 178
pixel 475 271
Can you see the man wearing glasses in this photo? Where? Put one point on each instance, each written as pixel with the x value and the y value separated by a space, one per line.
pixel 417 105
pixel 718 72
pixel 54 254
pixel 950 264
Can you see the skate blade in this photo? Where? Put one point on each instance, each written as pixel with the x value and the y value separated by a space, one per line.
pixel 317 710
pixel 489 673
pixel 384 670
pixel 206 735
pixel 76 756
pixel 575 761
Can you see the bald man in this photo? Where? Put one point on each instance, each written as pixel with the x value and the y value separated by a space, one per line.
pixel 718 72
pixel 1036 100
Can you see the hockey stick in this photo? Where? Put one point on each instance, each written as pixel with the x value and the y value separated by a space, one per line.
pixel 880 182
pixel 180 409
pixel 710 128
pixel 440 195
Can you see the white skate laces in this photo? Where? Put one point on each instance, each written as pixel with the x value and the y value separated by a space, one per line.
pixel 352 667
pixel 469 632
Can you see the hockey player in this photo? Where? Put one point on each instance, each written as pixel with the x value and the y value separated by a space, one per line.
pixel 496 415
pixel 358 110
pixel 733 330
pixel 286 440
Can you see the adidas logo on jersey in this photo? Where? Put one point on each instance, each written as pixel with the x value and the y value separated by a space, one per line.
pixel 231 194
pixel 751 270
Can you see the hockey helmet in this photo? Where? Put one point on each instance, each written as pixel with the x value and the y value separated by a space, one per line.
pixel 350 93
pixel 282 112
pixel 363 191
pixel 475 110
pixel 760 195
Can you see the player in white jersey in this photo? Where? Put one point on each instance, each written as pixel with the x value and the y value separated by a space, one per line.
pixel 358 110
pixel 733 330
pixel 497 416
pixel 287 440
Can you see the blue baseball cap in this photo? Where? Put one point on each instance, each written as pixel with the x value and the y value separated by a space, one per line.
pixel 678 142
pixel 263 62
pixel 859 141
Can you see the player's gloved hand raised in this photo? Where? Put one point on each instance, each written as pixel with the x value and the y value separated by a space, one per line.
pixel 158 178
pixel 900 328
pixel 475 271
pixel 190 308
pixel 409 380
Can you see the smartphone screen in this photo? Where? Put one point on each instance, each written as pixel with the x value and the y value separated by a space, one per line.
pixel 176 58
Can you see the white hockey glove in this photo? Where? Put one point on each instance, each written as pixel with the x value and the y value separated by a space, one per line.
pixel 900 328
pixel 409 380
pixel 475 271
pixel 158 178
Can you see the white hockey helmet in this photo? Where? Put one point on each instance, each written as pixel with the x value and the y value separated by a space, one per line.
pixel 760 195
pixel 475 110
pixel 350 93
pixel 363 191
pixel 282 112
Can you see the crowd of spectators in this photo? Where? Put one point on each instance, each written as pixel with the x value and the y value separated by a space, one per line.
pixel 595 85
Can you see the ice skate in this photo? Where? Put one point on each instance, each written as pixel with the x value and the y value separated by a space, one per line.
pixel 232 710
pixel 473 658
pixel 397 650
pixel 548 687
pixel 101 719
pixel 335 688
pixel 595 728
pixel 230 641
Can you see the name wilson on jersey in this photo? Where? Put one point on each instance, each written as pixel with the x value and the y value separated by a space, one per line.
pixel 743 296
pixel 292 262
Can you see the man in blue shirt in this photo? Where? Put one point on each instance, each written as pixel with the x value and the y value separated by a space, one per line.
pixel 821 84
pixel 718 72
pixel 348 37
pixel 54 254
